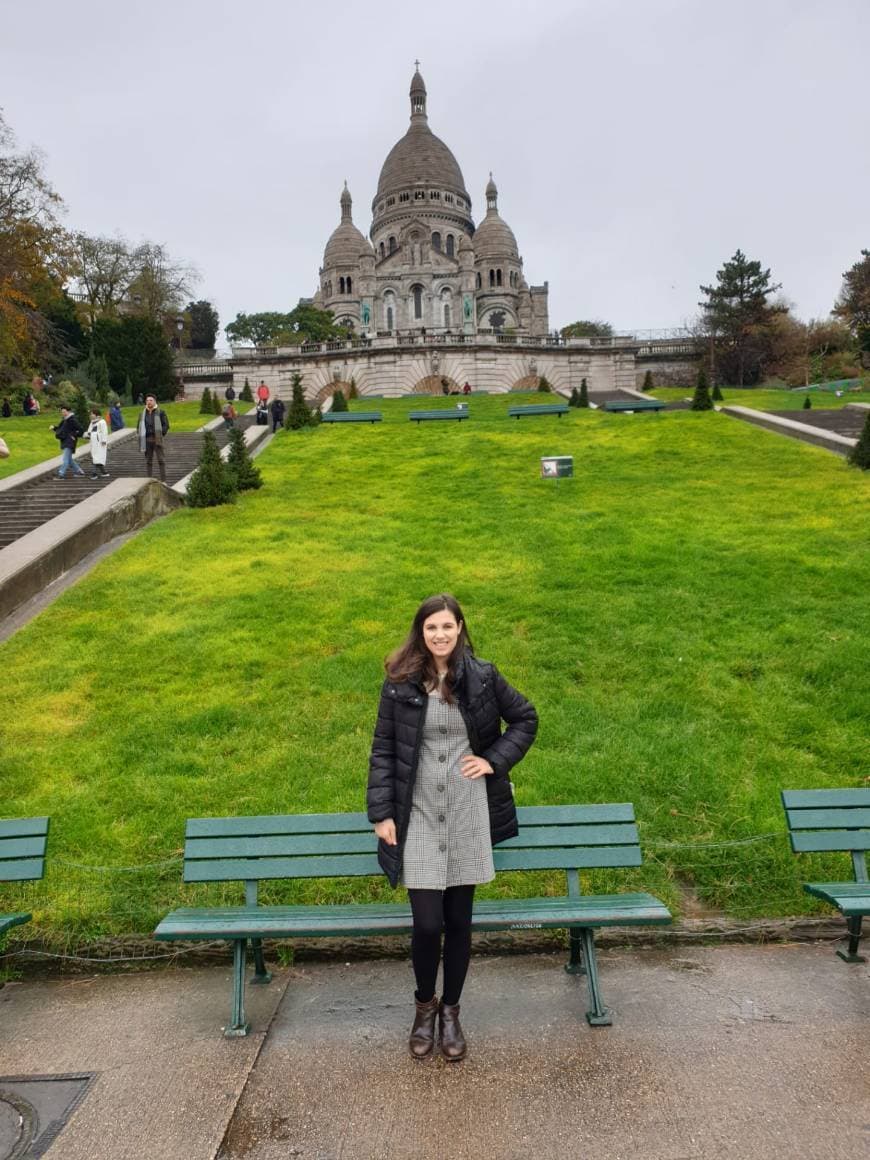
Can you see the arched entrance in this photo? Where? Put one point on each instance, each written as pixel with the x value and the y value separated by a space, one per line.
pixel 434 385
pixel 527 383
pixel 329 390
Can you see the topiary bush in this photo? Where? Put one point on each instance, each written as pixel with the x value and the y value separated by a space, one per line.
pixel 807 403
pixel 339 402
pixel 216 407
pixel 584 394
pixel 353 393
pixel 701 400
pixel 544 385
pixel 213 483
pixel 205 402
pixel 241 464
pixel 246 395
pixel 574 401
pixel 298 413
pixel 859 456
pixel 647 382
pixel 717 395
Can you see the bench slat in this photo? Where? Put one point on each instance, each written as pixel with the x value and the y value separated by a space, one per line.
pixel 395 918
pixel 278 824
pixel 240 869
pixel 21 869
pixel 23 827
pixel 815 798
pixel 829 819
pixel 7 921
pixel 566 859
pixel 22 848
pixel 815 841
pixel 852 898
pixel 583 815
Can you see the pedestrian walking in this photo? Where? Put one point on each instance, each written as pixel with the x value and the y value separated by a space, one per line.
pixel 229 414
pixel 277 410
pixel 439 796
pixel 98 433
pixel 116 417
pixel 152 428
pixel 67 432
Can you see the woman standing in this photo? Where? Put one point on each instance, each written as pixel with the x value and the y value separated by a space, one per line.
pixel 439 797
pixel 98 433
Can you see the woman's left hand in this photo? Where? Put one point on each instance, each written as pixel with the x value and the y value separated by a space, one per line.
pixel 473 766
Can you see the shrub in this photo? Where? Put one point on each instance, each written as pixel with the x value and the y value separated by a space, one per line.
pixel 339 402
pixel 859 456
pixel 213 483
pixel 544 385
pixel 246 396
pixel 807 403
pixel 353 393
pixel 298 413
pixel 574 401
pixel 647 382
pixel 717 395
pixel 584 394
pixel 241 464
pixel 701 400
pixel 205 402
pixel 216 407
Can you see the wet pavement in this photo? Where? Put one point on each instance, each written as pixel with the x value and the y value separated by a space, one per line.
pixel 731 1051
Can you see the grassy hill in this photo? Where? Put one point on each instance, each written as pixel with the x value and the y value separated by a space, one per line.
pixel 689 614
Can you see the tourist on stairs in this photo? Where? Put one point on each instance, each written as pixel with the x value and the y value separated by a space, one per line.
pixel 98 433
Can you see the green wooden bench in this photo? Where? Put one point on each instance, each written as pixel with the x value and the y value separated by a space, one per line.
pixel 453 413
pixel 835 819
pixel 570 838
pixel 633 405
pixel 559 409
pixel 352 417
pixel 22 858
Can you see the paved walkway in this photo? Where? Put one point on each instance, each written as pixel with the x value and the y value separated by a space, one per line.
pixel 738 1051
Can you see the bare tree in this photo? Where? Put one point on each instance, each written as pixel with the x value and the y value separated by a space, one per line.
pixel 103 268
pixel 162 284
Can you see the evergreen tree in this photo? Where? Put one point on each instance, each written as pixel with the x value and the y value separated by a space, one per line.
pixel 216 404
pixel 574 401
pixel 859 456
pixel 316 417
pixel 353 393
pixel 807 403
pixel 205 402
pixel 80 408
pixel 298 413
pixel 212 483
pixel 241 464
pixel 647 382
pixel 717 395
pixel 339 402
pixel 701 400
pixel 128 391
pixel 737 312
pixel 544 384
pixel 246 396
pixel 584 394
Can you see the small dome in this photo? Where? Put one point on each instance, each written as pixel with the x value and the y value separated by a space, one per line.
pixel 346 244
pixel 494 238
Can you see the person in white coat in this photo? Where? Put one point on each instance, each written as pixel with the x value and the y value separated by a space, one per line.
pixel 98 433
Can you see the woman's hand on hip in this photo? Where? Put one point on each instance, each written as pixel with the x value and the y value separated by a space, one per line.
pixel 386 831
pixel 473 766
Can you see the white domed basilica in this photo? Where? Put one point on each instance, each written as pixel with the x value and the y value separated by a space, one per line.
pixel 427 269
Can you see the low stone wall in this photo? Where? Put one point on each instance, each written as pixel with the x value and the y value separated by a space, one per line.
pixel 29 564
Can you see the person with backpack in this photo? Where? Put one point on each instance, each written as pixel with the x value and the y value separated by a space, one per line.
pixel 277 410
pixel 67 432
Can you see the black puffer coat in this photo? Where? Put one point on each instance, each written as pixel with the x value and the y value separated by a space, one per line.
pixel 485 700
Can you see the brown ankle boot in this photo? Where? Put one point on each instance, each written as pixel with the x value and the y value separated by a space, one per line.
pixel 422 1040
pixel 453 1045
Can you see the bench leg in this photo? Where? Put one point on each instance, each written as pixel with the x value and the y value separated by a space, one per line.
pixel 597 1015
pixel 238 1026
pixel 574 965
pixel 261 975
pixel 853 925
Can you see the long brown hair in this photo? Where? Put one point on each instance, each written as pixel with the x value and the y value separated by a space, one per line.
pixel 412 658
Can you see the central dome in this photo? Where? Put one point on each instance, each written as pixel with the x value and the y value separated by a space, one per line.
pixel 420 157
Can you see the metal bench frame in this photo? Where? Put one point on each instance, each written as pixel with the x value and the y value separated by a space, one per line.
pixel 422 416
pixel 22 858
pixel 352 417
pixel 530 409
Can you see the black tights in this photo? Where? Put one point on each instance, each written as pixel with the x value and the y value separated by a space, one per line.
pixel 436 910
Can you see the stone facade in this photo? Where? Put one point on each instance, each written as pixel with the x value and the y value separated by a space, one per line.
pixel 425 267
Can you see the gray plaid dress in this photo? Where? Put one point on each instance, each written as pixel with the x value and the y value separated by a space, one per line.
pixel 448 842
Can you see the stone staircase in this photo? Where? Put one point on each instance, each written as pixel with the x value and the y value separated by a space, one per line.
pixel 25 508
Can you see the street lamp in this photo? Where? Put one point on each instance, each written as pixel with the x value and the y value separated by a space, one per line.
pixel 179 326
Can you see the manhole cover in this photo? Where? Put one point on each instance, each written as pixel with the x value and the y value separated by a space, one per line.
pixel 34 1110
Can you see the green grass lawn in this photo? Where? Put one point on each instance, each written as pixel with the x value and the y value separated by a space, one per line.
pixel 689 614
pixel 762 399
pixel 30 440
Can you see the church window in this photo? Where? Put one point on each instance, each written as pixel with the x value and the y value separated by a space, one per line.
pixel 492 277
pixel 436 242
pixel 381 208
pixel 392 245
pixel 341 285
pixel 447 315
pixel 448 197
pixel 478 280
pixel 434 195
pixel 382 250
pixel 498 277
pixel 389 318
pixel 349 285
pixel 419 195
pixel 497 320
pixel 418 301
pixel 404 197
pixel 391 201
pixel 450 245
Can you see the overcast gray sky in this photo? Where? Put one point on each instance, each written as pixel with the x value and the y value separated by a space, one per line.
pixel 636 143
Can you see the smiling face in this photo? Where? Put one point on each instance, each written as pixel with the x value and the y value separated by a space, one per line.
pixel 440 634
